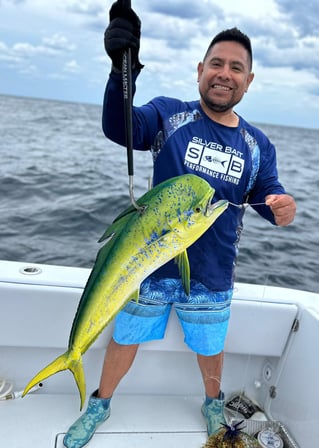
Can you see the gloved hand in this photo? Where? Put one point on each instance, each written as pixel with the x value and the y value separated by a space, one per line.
pixel 123 32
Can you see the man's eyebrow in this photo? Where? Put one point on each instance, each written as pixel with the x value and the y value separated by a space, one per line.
pixel 216 58
pixel 233 62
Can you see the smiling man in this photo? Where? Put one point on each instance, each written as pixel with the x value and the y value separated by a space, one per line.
pixel 225 75
pixel 208 138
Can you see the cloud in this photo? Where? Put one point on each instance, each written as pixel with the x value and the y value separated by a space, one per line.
pixel 64 39
pixel 85 7
pixel 178 24
pixel 277 41
pixel 303 15
pixel 21 52
pixel 12 2
pixel 186 9
pixel 58 42
pixel 71 67
pixel 6 56
pixel 176 33
pixel 304 55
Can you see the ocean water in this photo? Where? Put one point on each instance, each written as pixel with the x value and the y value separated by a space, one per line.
pixel 62 183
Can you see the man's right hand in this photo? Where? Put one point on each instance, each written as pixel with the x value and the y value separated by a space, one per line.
pixel 123 32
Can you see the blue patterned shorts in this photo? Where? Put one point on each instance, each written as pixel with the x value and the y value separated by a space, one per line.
pixel 204 315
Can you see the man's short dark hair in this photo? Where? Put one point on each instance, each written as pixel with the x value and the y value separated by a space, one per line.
pixel 235 35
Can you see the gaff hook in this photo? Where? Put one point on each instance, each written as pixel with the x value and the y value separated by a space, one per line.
pixel 128 99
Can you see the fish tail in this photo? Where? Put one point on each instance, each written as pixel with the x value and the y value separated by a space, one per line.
pixel 67 361
pixel 76 368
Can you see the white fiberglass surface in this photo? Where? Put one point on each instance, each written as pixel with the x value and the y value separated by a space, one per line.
pixel 143 440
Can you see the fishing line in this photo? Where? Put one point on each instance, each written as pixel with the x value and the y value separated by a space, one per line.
pixel 246 204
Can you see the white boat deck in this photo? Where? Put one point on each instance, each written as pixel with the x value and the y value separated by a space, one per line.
pixel 41 420
pixel 158 403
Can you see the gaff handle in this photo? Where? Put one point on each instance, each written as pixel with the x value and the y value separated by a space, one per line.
pixel 128 104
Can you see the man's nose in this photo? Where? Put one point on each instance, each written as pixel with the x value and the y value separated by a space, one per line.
pixel 225 72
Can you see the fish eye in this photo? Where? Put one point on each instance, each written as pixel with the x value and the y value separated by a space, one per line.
pixel 198 209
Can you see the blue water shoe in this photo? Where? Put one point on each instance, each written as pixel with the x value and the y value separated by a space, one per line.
pixel 80 433
pixel 213 411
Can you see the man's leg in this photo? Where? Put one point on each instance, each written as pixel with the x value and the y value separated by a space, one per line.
pixel 205 329
pixel 117 361
pixel 213 407
pixel 211 370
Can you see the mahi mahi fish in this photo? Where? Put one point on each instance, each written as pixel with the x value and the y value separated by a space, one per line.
pixel 175 214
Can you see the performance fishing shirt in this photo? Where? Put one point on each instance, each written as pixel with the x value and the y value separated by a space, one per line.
pixel 239 162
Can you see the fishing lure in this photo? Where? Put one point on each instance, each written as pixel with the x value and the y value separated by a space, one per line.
pixel 231 436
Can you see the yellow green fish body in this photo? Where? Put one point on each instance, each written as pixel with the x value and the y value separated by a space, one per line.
pixel 176 213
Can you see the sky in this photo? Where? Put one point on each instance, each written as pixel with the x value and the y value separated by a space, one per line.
pixel 54 49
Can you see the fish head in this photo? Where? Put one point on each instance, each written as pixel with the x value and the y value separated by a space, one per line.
pixel 198 211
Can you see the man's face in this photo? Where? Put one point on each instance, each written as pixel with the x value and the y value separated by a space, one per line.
pixel 224 76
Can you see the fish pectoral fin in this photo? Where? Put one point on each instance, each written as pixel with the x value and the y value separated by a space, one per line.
pixel 115 228
pixel 183 267
pixel 135 296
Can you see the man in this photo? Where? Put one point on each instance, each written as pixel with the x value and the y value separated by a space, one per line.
pixel 208 138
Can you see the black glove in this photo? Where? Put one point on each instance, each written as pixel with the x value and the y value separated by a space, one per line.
pixel 123 32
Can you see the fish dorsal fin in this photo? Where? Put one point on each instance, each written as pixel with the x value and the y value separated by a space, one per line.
pixel 183 266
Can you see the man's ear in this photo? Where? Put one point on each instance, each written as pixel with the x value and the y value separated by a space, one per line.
pixel 249 80
pixel 199 70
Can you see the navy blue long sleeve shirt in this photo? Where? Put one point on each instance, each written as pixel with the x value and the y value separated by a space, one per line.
pixel 239 162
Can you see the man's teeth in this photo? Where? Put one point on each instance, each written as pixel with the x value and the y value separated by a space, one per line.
pixel 217 86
